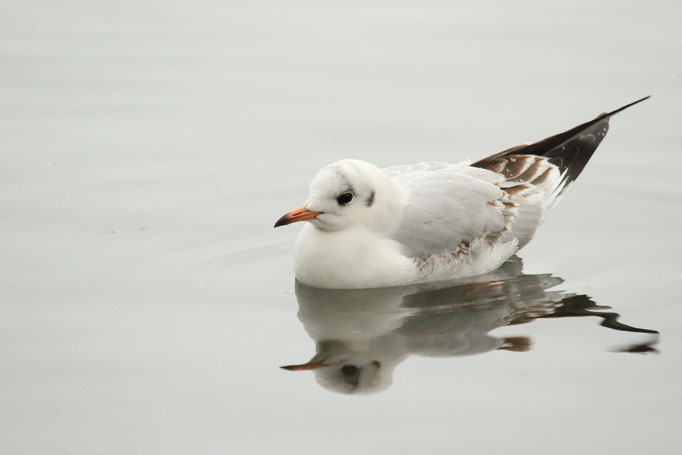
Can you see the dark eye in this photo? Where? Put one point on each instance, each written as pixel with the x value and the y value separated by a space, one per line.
pixel 345 198
pixel 350 374
pixel 349 370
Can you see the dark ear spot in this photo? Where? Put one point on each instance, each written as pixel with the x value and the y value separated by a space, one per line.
pixel 370 199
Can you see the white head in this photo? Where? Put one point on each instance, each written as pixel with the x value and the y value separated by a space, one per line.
pixel 349 193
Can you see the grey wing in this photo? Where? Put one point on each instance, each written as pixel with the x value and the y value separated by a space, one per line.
pixel 449 204
pixel 531 186
pixel 500 198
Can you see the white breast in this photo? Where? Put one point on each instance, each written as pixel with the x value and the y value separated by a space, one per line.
pixel 350 258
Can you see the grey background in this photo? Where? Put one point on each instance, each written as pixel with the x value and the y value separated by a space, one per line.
pixel 149 146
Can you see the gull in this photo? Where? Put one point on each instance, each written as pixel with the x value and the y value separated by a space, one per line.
pixel 369 227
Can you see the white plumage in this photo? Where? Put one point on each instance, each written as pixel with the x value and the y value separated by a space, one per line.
pixel 369 227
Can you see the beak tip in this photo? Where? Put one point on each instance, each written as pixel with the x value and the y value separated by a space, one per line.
pixel 282 221
pixel 300 214
pixel 303 367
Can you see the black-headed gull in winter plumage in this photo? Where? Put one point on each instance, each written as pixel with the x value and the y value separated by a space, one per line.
pixel 370 227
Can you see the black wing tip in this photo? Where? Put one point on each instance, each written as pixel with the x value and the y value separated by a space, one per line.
pixel 639 101
pixel 545 146
pixel 620 109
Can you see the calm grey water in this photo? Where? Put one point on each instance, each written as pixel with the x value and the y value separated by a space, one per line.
pixel 147 303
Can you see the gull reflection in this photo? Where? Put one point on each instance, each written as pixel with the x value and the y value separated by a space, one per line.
pixel 362 335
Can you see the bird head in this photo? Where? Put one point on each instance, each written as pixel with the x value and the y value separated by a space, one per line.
pixel 346 194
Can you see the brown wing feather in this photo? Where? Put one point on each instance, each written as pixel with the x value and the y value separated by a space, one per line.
pixel 569 151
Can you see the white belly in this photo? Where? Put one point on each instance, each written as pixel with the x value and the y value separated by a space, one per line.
pixel 358 258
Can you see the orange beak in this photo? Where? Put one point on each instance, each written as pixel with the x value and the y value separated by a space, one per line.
pixel 300 214
pixel 303 366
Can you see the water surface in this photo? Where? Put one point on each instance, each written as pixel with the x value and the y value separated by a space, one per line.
pixel 149 146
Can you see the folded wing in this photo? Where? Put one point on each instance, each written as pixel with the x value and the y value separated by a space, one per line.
pixel 501 198
pixel 448 205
